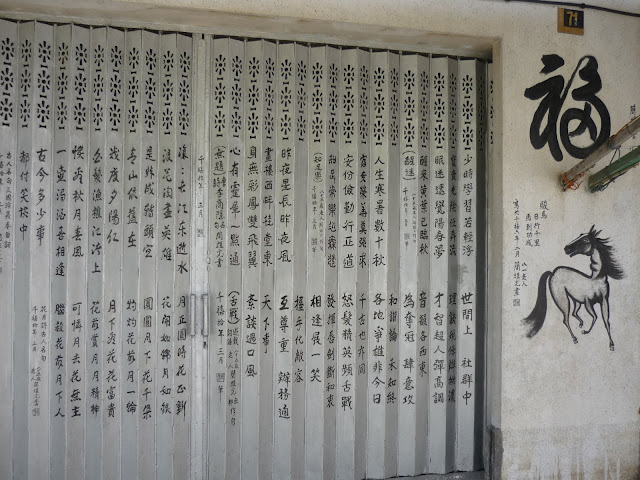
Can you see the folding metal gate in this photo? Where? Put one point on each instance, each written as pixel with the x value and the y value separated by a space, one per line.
pixel 237 259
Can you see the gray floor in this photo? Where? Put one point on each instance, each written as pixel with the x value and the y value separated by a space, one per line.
pixel 449 476
pixel 452 476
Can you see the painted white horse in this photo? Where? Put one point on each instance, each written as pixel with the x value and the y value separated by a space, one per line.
pixel 570 288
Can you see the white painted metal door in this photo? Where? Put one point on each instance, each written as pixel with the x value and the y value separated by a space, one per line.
pixel 341 257
pixel 226 258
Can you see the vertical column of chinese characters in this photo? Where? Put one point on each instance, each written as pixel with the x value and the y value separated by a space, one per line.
pixel 131 244
pixel 218 205
pixel 331 266
pixel 452 254
pixel 423 261
pixel 516 252
pixel 299 247
pixel 393 261
pixel 267 218
pixel 347 261
pixel 439 176
pixel 165 261
pixel 148 252
pixel 468 135
pixel 182 263
pixel 78 244
pixel 283 301
pixel 362 258
pixel 8 137
pixel 95 260
pixel 21 371
pixel 378 248
pixel 251 235
pixel 234 277
pixel 315 253
pixel 113 250
pixel 40 240
pixel 60 194
pixel 408 266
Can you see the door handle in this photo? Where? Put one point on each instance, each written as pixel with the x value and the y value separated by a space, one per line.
pixel 192 314
pixel 205 315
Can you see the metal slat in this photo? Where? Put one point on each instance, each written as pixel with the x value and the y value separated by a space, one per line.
pixel 40 247
pixel 331 265
pixel 393 225
pixel 22 205
pixel 218 204
pixel 114 269
pixel 346 217
pixel 251 235
pixel 316 250
pixel 422 301
pixel 95 360
pixel 363 226
pixel 482 282
pixel 165 263
pixel 77 231
pixel 438 268
pixel 452 287
pixel 481 237
pixel 468 91
pixel 199 275
pixel 268 218
pixel 131 241
pixel 235 299
pixel 299 312
pixel 9 59
pixel 407 321
pixel 147 366
pixel 378 261
pixel 183 400
pixel 60 246
pixel 284 234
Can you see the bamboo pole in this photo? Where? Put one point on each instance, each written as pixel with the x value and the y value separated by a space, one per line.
pixel 614 170
pixel 569 178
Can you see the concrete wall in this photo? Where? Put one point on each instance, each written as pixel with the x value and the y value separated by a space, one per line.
pixel 563 410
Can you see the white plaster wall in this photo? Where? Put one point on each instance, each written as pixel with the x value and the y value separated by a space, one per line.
pixel 565 410
pixel 570 411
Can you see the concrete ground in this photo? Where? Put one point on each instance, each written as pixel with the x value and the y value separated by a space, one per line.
pixel 449 476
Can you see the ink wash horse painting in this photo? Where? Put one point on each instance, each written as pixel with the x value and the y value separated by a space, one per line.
pixel 571 289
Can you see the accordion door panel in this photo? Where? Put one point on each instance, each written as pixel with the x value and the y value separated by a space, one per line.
pixel 226 258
